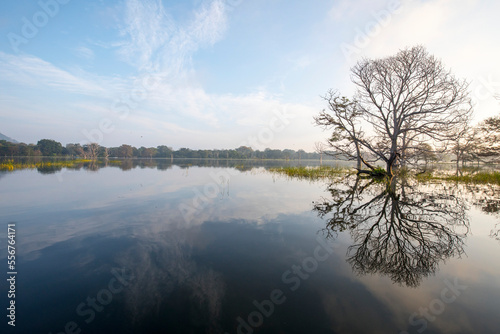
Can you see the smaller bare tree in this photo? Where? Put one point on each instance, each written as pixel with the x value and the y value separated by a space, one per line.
pixel 92 150
pixel 81 151
pixel 343 119
pixel 105 152
pixel 488 141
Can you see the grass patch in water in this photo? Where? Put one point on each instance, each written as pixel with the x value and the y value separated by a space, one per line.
pixel 481 177
pixel 11 165
pixel 311 173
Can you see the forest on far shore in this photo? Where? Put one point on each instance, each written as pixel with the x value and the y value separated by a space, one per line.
pixel 49 147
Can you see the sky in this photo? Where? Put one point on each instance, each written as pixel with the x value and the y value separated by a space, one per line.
pixel 218 74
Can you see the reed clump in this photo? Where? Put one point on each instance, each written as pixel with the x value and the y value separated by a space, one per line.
pixel 311 173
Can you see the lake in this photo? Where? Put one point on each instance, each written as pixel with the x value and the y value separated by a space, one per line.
pixel 229 247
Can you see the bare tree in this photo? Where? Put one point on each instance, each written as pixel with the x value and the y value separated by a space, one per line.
pixel 488 143
pixel 479 143
pixel 405 100
pixel 466 146
pixel 80 150
pixel 423 152
pixel 92 150
pixel 319 147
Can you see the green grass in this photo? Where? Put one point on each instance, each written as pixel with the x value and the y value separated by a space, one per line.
pixel 481 177
pixel 311 173
pixel 475 178
pixel 10 165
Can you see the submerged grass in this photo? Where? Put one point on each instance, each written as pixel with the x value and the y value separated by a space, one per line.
pixel 311 173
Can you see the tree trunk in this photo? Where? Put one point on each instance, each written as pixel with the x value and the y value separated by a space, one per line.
pixel 390 162
pixel 393 156
pixel 358 153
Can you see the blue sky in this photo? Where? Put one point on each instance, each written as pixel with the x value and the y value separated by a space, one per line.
pixel 217 73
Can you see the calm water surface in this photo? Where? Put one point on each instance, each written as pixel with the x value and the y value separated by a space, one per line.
pixel 200 249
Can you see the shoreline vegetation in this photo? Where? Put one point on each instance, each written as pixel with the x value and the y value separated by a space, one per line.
pixel 47 162
pixel 467 175
pixel 11 164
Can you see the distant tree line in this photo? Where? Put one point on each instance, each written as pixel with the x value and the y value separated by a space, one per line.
pixel 49 147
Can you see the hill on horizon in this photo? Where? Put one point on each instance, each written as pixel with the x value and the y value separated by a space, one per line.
pixel 4 137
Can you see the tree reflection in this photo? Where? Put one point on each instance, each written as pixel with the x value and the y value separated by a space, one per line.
pixel 400 230
pixel 48 169
pixel 495 233
pixel 486 197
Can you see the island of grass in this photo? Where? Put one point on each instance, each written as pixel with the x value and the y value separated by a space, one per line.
pixel 311 173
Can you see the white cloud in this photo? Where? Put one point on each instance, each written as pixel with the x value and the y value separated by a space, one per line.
pixel 209 24
pixel 148 27
pixel 348 10
pixel 32 71
pixel 84 52
pixel 155 42
pixel 164 48
pixel 159 46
